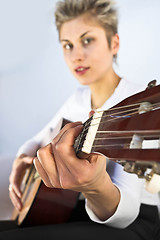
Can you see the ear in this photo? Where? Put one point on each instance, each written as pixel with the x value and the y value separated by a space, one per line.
pixel 115 44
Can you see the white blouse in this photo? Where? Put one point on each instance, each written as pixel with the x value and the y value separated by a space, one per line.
pixel 131 188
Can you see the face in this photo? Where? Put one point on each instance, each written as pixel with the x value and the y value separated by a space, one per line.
pixel 86 50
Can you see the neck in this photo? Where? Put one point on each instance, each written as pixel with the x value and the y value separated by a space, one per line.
pixel 102 90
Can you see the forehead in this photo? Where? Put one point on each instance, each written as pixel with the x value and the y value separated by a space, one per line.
pixel 77 26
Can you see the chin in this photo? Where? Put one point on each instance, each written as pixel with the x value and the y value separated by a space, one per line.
pixel 84 82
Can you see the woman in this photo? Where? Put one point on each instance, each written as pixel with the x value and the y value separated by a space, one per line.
pixel 114 199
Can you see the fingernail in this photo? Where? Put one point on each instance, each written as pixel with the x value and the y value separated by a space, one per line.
pixel 80 127
pixel 34 161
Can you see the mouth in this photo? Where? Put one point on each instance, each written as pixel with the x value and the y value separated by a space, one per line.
pixel 81 70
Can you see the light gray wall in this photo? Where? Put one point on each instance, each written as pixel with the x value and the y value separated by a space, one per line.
pixel 34 80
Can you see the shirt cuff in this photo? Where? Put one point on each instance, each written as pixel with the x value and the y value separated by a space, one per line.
pixel 125 213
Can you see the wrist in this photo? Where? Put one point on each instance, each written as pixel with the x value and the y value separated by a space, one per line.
pixel 104 200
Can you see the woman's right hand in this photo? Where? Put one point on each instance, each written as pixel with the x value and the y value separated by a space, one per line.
pixel 19 168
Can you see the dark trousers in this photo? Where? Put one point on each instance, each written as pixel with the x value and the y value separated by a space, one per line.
pixel 80 227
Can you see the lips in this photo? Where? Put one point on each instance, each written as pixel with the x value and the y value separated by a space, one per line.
pixel 81 70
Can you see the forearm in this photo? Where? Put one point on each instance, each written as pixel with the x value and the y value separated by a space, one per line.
pixel 104 200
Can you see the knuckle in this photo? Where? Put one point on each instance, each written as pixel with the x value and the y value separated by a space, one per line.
pixel 47 184
pixel 68 125
pixel 53 142
pixel 82 179
pixel 39 152
pixel 67 184
pixel 71 132
pixel 59 146
pixel 43 151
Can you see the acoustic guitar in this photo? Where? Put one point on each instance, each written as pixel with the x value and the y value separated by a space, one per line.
pixel 128 133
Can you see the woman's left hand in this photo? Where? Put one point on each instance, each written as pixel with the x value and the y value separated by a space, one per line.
pixel 59 166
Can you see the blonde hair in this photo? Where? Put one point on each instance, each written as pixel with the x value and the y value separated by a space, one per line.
pixel 103 10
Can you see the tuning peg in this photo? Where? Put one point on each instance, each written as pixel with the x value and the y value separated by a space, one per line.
pixel 152 185
pixel 152 84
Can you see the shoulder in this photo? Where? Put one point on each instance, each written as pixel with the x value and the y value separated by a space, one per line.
pixel 129 88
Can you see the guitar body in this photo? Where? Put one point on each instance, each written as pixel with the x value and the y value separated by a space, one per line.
pixel 51 206
pixel 43 205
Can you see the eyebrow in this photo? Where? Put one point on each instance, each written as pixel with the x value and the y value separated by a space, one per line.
pixel 65 40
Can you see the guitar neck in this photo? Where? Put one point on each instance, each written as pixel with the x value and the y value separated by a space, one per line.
pixel 128 132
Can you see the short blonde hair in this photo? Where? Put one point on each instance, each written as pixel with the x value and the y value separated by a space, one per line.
pixel 102 10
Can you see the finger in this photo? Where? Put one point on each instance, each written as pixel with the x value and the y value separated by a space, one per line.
pixel 69 136
pixel 46 158
pixel 42 172
pixel 16 178
pixel 64 148
pixel 15 181
pixel 15 200
pixel 64 129
pixel 91 113
pixel 17 190
pixel 18 173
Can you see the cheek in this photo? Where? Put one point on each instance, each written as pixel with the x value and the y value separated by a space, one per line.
pixel 99 58
pixel 106 57
pixel 99 53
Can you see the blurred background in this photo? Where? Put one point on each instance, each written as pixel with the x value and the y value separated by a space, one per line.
pixel 34 79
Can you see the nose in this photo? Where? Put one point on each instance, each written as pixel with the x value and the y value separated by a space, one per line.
pixel 78 54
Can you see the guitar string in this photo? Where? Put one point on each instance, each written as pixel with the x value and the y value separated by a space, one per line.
pixel 127 106
pixel 112 119
pixel 88 125
pixel 115 145
pixel 130 105
pixel 82 135
pixel 150 136
pixel 29 174
pixel 78 148
pixel 153 105
pixel 122 138
pixel 153 135
pixel 111 145
pixel 92 125
pixel 143 133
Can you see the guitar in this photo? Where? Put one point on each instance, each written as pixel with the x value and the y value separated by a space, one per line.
pixel 128 133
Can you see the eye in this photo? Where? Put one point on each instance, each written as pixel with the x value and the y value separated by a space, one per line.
pixel 68 46
pixel 86 41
